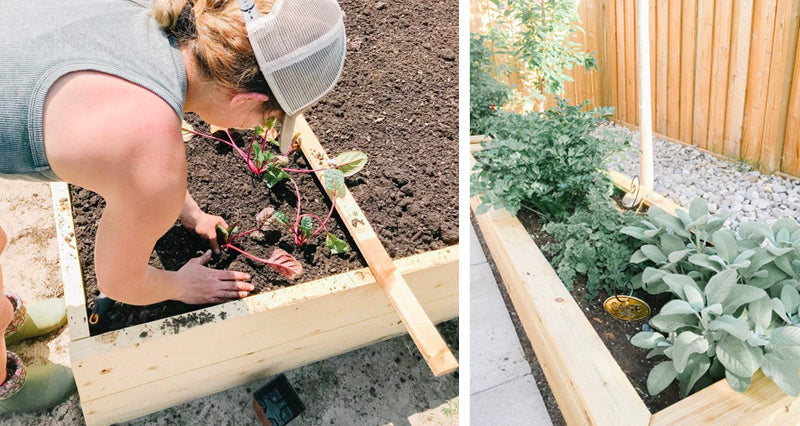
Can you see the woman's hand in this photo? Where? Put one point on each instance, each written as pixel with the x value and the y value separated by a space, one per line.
pixel 205 225
pixel 200 285
pixel 200 222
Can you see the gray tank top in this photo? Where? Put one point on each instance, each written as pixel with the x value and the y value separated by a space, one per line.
pixel 41 40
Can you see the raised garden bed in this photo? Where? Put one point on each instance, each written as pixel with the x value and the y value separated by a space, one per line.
pixel 586 380
pixel 143 368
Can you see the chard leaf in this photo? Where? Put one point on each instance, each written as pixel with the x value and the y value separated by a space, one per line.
pixel 336 245
pixel 350 162
pixel 334 181
pixel 285 264
pixel 305 225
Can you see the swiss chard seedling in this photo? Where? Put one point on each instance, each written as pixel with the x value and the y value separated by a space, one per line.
pixel 271 168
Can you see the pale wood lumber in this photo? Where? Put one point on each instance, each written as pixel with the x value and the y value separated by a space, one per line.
pixel 430 343
pixel 630 63
pixel 650 197
pixel 791 147
pixel 781 67
pixel 705 27
pixel 688 38
pixel 720 55
pixel 763 404
pixel 645 114
pixel 621 111
pixel 653 57
pixel 593 31
pixel 610 40
pixel 588 384
pixel 479 138
pixel 145 368
pixel 69 261
pixel 662 64
pixel 287 133
pixel 737 79
pixel 757 79
pixel 674 70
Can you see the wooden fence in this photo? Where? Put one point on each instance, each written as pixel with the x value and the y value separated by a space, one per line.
pixel 722 72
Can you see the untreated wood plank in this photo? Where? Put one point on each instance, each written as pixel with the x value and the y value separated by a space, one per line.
pixel 630 63
pixel 674 70
pixel 430 343
pixel 763 404
pixel 757 79
pixel 144 368
pixel 737 79
pixel 585 379
pixel 688 39
pixel 593 31
pixel 705 35
pixel 610 42
pixel 718 96
pixel 791 145
pixel 662 65
pixel 622 87
pixel 74 294
pixel 781 67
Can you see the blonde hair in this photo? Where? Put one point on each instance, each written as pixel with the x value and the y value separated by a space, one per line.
pixel 215 34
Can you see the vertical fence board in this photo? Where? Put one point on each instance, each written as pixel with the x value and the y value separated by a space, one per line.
pixel 630 63
pixel 737 79
pixel 661 53
pixel 757 78
pixel 791 145
pixel 688 37
pixel 611 44
pixel 719 75
pixel 651 25
pixel 781 68
pixel 705 27
pixel 622 87
pixel 593 30
pixel 674 70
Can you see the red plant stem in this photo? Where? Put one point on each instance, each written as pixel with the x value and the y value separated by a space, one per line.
pixel 241 234
pixel 245 155
pixel 330 212
pixel 250 256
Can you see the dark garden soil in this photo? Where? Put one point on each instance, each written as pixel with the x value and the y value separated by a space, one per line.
pixel 616 334
pixel 397 101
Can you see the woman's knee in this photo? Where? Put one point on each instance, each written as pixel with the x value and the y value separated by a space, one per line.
pixel 3 239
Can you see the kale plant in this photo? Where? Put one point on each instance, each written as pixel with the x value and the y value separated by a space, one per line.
pixel 736 307
pixel 546 162
pixel 486 94
pixel 590 243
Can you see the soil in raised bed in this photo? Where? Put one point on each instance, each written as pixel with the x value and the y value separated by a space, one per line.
pixel 614 333
pixel 397 101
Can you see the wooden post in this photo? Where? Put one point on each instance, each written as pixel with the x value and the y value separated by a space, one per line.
pixel 645 115
pixel 287 132
pixel 428 340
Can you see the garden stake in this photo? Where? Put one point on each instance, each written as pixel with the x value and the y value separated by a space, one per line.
pixel 430 343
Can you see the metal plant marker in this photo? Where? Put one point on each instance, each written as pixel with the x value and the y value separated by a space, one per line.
pixel 626 307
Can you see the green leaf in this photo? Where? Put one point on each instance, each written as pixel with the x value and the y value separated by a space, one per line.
pixel 660 377
pixel 780 365
pixel 280 217
pixel 694 296
pixel 738 357
pixel 760 312
pixel 350 162
pixel 696 367
pixel 756 230
pixel 686 344
pixel 738 328
pixel 725 243
pixel 678 282
pixel 720 285
pixel 738 383
pixel 705 261
pixel 273 175
pixel 650 275
pixel 698 208
pixel 647 339
pixel 669 323
pixel 671 243
pixel 654 253
pixel 336 245
pixel 790 298
pixel 741 294
pixel 677 306
pixel 334 181
pixel 786 336
pixel 305 225
pixel 677 256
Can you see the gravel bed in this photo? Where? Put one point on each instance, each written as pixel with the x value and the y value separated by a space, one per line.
pixel 683 173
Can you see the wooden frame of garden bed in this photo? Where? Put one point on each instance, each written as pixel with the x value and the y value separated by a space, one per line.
pixel 141 369
pixel 585 379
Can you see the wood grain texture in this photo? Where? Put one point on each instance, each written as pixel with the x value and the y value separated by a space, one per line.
pixel 718 95
pixel 742 20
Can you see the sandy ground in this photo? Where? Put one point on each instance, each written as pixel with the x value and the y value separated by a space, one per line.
pixel 386 383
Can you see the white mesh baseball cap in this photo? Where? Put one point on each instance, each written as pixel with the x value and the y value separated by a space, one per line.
pixel 300 48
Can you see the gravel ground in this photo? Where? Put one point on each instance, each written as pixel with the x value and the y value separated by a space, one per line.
pixel 683 173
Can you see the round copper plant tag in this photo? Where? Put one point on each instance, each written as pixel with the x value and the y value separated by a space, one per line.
pixel 627 308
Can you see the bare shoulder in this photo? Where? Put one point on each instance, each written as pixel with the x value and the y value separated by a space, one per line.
pixel 102 130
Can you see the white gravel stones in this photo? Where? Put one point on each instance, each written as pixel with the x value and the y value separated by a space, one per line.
pixel 683 173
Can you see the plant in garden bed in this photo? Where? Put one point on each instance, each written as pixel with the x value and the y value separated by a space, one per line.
pixel 736 306
pixel 590 243
pixel 486 94
pixel 270 168
pixel 545 162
